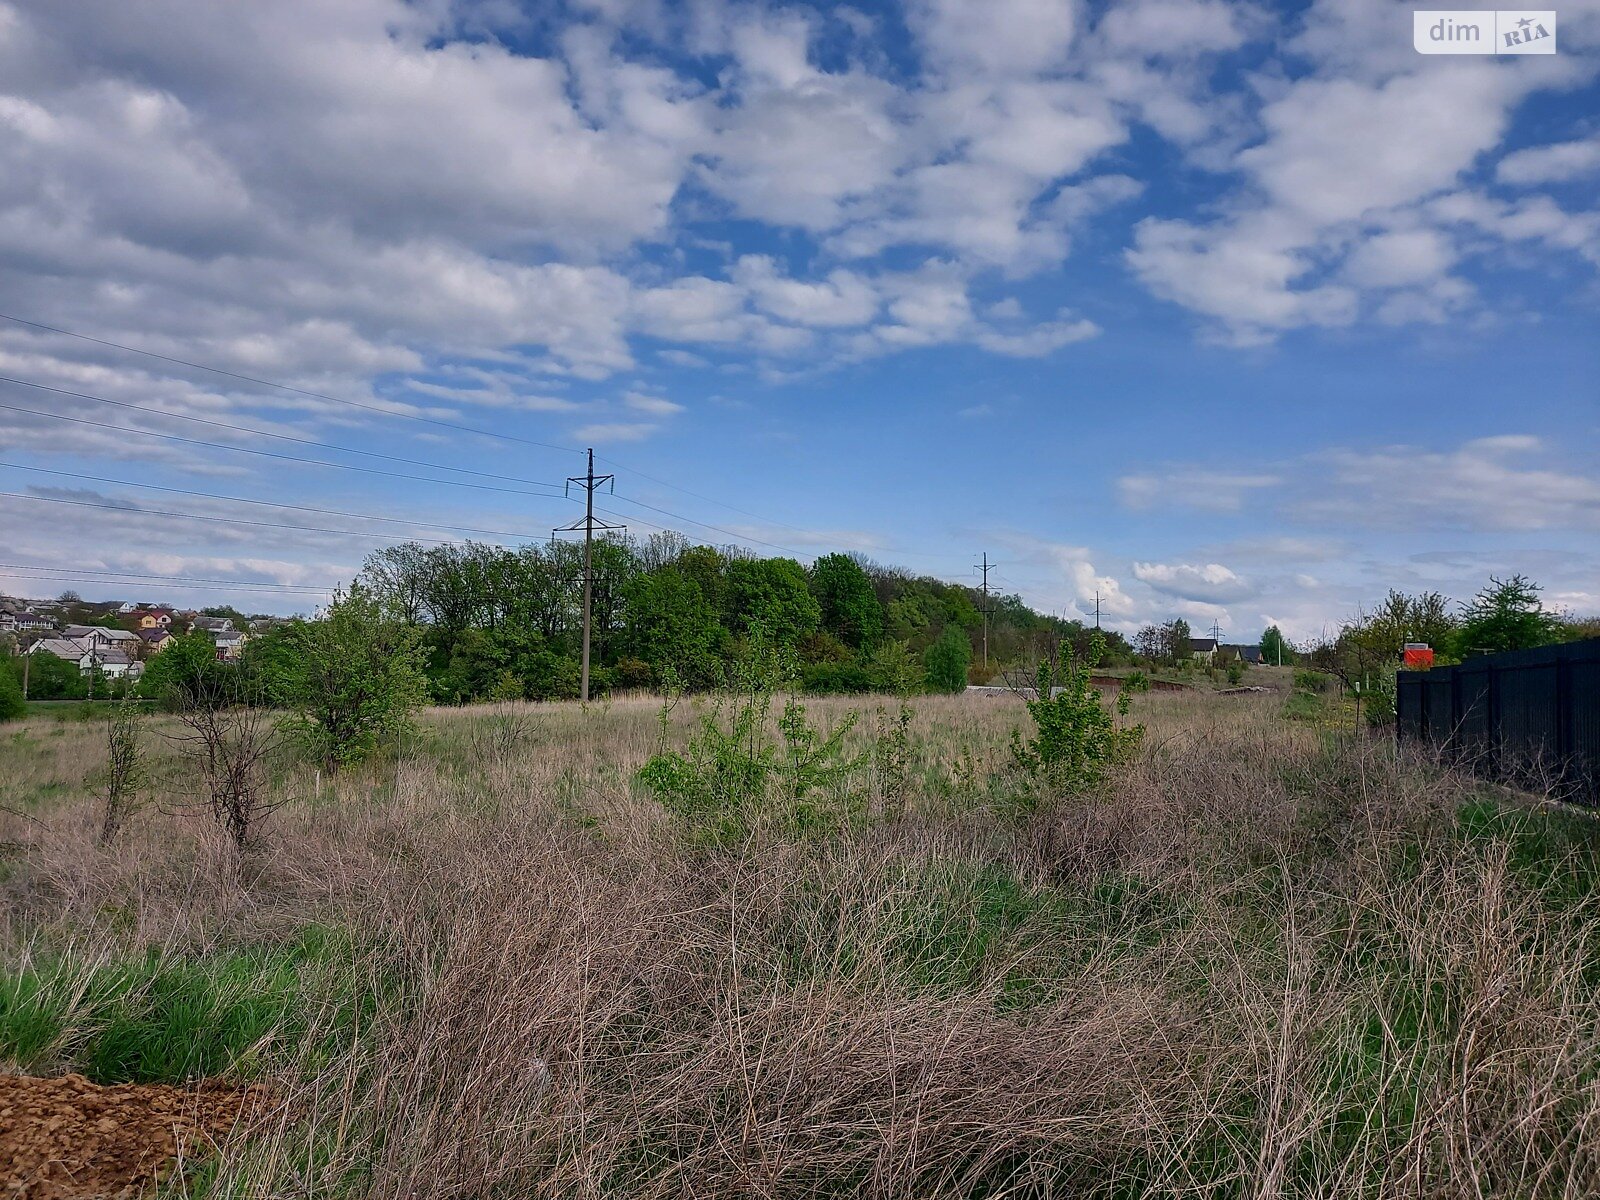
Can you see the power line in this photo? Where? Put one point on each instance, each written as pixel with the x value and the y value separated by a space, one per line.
pixel 704 525
pixel 158 512
pixel 376 408
pixel 382 411
pixel 860 547
pixel 985 566
pixel 461 428
pixel 589 482
pixel 73 572
pixel 327 512
pixel 314 462
pixel 266 433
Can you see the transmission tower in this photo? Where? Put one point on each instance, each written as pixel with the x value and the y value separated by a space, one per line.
pixel 588 481
pixel 984 567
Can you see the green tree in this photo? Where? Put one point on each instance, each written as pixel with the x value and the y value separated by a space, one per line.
pixel 945 662
pixel 1177 640
pixel 1077 741
pixel 671 625
pixel 1507 615
pixel 186 674
pixel 771 594
pixel 1275 648
pixel 359 679
pixel 12 705
pixel 849 605
pixel 52 678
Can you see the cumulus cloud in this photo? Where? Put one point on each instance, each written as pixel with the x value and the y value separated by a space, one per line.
pixel 1556 163
pixel 1209 582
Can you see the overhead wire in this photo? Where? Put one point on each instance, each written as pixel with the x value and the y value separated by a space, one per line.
pixel 327 512
pixel 857 544
pixel 117 576
pixel 158 512
pixel 266 433
pixel 376 408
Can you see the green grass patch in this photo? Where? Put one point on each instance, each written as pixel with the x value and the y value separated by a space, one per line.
pixel 163 1019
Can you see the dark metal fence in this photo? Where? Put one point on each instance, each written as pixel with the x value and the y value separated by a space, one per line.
pixel 1528 717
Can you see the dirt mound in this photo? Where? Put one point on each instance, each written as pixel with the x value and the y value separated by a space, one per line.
pixel 69 1139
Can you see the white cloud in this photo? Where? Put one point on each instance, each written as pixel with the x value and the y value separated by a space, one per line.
pixel 1192 487
pixel 655 406
pixel 1485 484
pixel 1556 163
pixel 615 431
pixel 1009 37
pixel 1208 582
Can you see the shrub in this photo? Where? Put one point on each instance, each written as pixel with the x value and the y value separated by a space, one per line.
pixel 1137 681
pixel 1077 740
pixel 1316 682
pixel 125 769
pixel 12 705
pixel 836 678
pixel 359 679
pixel 714 784
pixel 1302 705
pixel 946 661
pixel 1235 671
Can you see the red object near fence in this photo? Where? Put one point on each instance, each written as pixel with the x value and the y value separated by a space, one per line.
pixel 1418 656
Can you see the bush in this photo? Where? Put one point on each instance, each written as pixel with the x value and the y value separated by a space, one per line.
pixel 1077 741
pixel 1235 672
pixel 945 662
pixel 631 672
pixel 1315 682
pixel 836 678
pixel 12 705
pixel 359 679
pixel 1302 705
pixel 1137 681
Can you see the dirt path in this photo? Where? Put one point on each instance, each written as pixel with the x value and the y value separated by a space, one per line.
pixel 70 1139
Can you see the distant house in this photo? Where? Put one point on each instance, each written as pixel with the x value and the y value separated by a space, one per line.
pixel 106 639
pixel 151 618
pixel 230 645
pixel 22 620
pixel 213 625
pixel 155 640
pixel 90 656
pixel 1204 649
pixel 1249 654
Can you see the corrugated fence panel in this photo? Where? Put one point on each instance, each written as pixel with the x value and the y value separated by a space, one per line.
pixel 1530 717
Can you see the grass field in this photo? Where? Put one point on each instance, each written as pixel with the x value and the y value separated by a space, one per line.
pixel 1271 959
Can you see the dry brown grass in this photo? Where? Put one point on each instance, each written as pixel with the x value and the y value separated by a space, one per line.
pixel 1264 964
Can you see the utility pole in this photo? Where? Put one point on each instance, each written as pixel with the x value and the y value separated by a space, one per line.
pixel 984 567
pixel 588 481
pixel 1097 608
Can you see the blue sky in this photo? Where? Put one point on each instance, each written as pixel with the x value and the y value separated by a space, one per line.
pixel 1238 312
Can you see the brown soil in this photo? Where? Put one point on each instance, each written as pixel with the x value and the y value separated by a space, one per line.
pixel 69 1139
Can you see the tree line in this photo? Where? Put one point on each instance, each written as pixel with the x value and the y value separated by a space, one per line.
pixel 499 623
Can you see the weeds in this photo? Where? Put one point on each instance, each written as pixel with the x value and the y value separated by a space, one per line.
pixel 1077 741
pixel 125 770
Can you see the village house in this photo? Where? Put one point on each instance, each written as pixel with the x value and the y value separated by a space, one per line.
pixel 155 640
pixel 22 620
pixel 106 639
pixel 151 618
pixel 90 656
pixel 1203 649
pixel 230 645
pixel 1247 654
pixel 213 625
